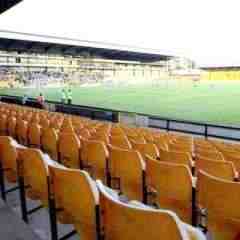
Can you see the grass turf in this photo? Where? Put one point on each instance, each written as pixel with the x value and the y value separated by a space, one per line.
pixel 213 102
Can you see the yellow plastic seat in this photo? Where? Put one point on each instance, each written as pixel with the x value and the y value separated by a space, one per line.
pixel 3 125
pixel 94 156
pixel 232 156
pixel 98 136
pixel 49 142
pixel 176 157
pixel 9 152
pixel 136 138
pixel 12 124
pixel 221 169
pixel 220 199
pixel 35 174
pixel 180 147
pixel 136 221
pixel 161 143
pixel 76 193
pixel 69 150
pixel 34 135
pixel 120 142
pixel 146 149
pixel 22 132
pixel 214 155
pixel 83 133
pixel 172 186
pixel 126 172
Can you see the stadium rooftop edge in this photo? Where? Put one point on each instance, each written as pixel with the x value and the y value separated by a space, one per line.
pixel 36 43
pixel 7 4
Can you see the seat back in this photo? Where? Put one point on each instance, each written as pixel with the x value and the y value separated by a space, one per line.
pixel 79 201
pixel 3 124
pixel 49 142
pixel 172 184
pixel 221 200
pixel 9 151
pixel 12 124
pixel 127 221
pixel 94 156
pixel 22 132
pixel 149 149
pixel 221 169
pixel 69 150
pixel 126 170
pixel 34 135
pixel 176 157
pixel 120 142
pixel 35 172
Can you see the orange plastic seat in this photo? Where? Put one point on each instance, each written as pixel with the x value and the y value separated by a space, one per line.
pixel 3 125
pixel 79 202
pixel 94 156
pixel 176 157
pixel 34 135
pixel 220 199
pixel 172 186
pixel 146 149
pixel 69 150
pixel 137 221
pixel 12 124
pixel 22 132
pixel 126 172
pixel 120 142
pixel 221 169
pixel 49 142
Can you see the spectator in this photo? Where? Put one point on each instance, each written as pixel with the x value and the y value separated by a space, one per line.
pixel 41 100
pixel 24 99
pixel 63 98
pixel 69 96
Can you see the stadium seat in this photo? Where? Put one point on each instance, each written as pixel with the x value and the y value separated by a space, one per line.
pixel 34 135
pixel 176 157
pixel 120 141
pixel 83 133
pixel 161 143
pixel 100 136
pixel 172 186
pixel 126 172
pixel 22 132
pixel 35 172
pixel 80 202
pixel 69 149
pixel 49 142
pixel 9 150
pixel 3 125
pixel 12 124
pixel 221 169
pixel 137 221
pixel 94 156
pixel 232 156
pixel 146 149
pixel 214 155
pixel 220 200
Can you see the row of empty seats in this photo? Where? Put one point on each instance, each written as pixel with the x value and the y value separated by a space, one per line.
pixel 159 169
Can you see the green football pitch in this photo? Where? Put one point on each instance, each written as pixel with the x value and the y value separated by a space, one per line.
pixel 212 102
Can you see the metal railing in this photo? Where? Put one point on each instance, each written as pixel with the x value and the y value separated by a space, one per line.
pixel 197 128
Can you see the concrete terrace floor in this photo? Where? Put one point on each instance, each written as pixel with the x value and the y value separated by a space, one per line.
pixel 38 221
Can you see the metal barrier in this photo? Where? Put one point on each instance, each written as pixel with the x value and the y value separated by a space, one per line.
pixel 196 128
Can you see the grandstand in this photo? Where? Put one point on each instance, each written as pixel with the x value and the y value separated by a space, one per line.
pixel 146 148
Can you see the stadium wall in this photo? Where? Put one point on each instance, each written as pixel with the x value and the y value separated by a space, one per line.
pixel 221 74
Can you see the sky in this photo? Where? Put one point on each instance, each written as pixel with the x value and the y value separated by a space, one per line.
pixel 206 31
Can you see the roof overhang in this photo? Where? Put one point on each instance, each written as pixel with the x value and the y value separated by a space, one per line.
pixel 25 42
pixel 6 4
